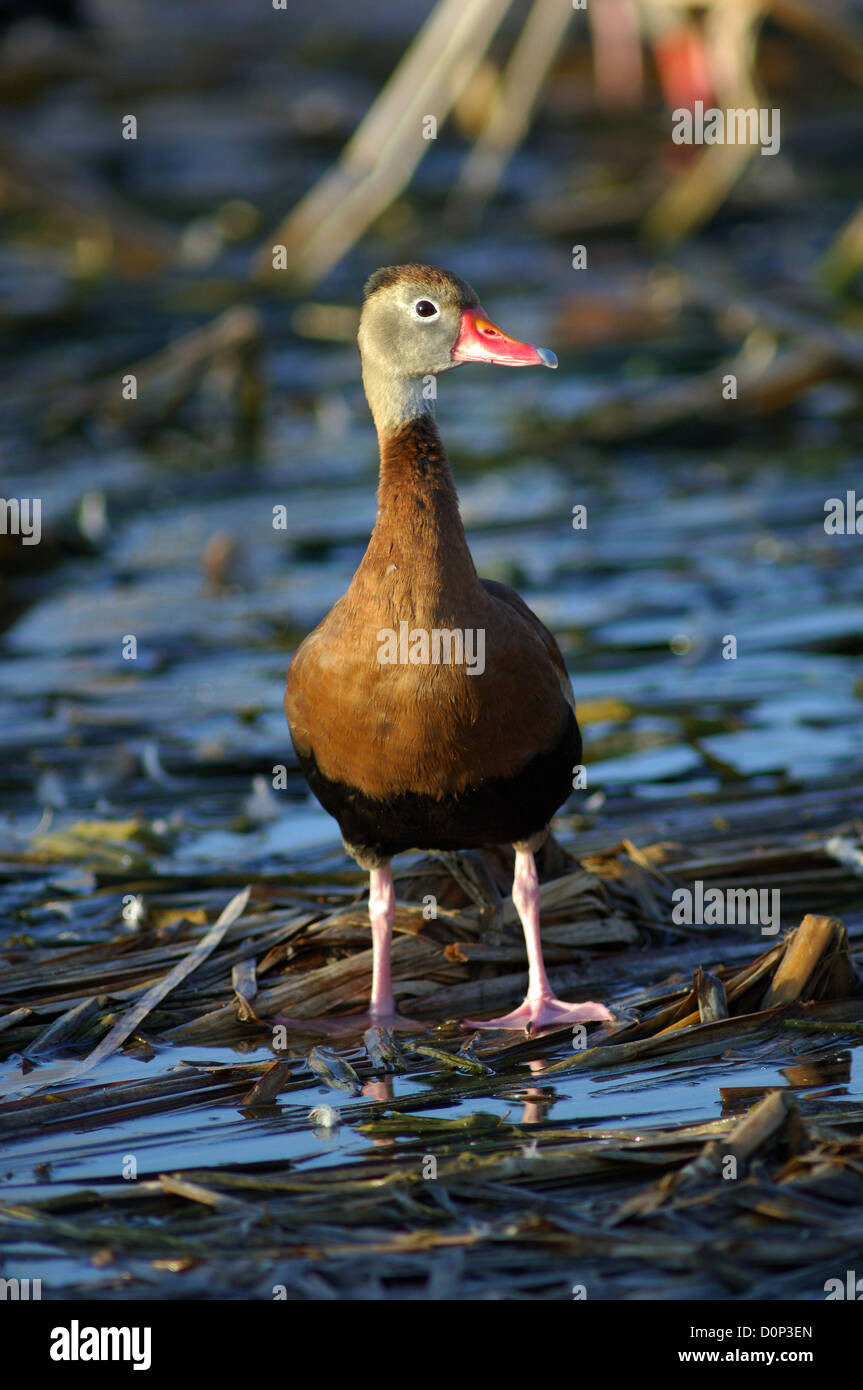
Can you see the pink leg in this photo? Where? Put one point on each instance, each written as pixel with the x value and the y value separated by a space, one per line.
pixel 382 1009
pixel 540 1008
pixel 382 911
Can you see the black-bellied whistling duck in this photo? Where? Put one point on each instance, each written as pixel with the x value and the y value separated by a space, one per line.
pixel 431 709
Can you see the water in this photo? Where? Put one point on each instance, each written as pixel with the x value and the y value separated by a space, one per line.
pixel 199 1134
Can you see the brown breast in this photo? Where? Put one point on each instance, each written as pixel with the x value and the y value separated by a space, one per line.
pixel 391 726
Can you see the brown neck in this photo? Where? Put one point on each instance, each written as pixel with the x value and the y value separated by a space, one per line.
pixel 418 526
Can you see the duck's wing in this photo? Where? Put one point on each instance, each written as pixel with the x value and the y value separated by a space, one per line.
pixel 503 594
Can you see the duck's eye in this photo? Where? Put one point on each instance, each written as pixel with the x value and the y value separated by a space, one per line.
pixel 425 309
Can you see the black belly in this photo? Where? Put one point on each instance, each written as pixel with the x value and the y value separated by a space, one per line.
pixel 498 812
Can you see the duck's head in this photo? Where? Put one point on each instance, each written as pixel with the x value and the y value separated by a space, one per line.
pixel 418 321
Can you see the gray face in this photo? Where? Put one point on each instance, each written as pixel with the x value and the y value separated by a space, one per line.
pixel 408 330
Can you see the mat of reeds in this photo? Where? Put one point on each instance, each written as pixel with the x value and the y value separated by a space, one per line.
pixel 163 1136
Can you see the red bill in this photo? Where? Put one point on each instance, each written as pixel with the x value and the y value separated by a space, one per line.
pixel 479 340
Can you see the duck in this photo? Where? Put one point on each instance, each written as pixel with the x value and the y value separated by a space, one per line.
pixel 431 709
